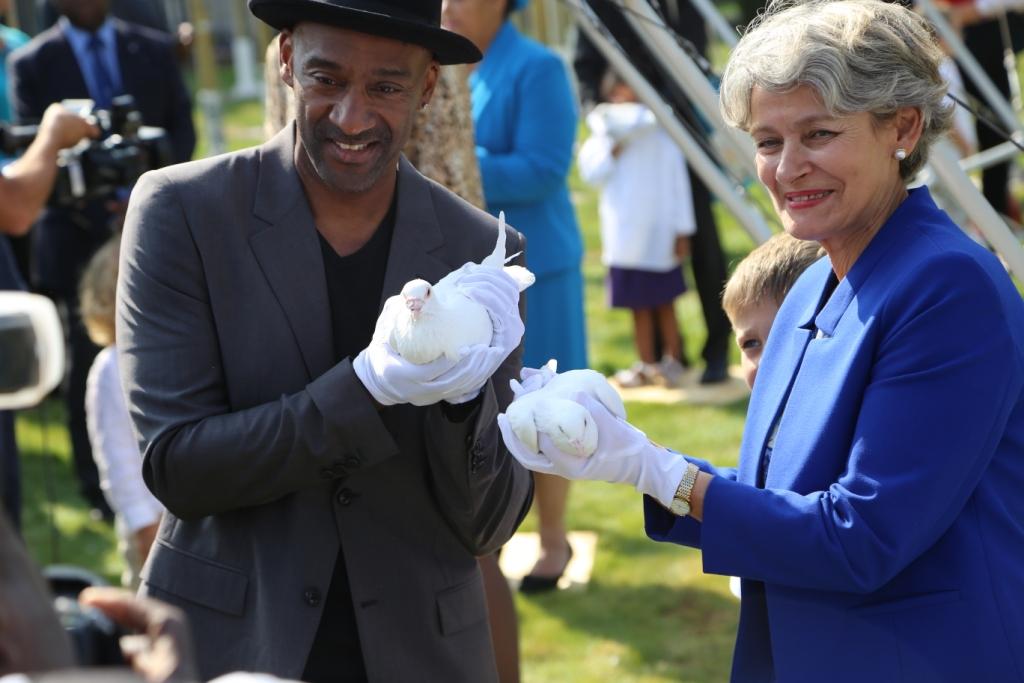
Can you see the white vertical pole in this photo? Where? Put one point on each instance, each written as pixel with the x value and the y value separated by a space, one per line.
pixel 243 56
pixel 736 145
pixel 944 163
pixel 989 91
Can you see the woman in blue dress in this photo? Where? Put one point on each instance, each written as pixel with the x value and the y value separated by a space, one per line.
pixel 525 117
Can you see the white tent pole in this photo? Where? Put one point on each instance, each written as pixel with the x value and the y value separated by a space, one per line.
pixel 943 161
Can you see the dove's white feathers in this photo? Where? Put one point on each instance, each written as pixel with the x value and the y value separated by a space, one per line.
pixel 427 321
pixel 447 321
pixel 550 410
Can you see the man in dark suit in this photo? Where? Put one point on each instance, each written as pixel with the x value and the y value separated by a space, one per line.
pixel 89 55
pixel 148 13
pixel 706 257
pixel 326 498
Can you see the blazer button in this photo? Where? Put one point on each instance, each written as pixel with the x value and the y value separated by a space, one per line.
pixel 345 497
pixel 311 597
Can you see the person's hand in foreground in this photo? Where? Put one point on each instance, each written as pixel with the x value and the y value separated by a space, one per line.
pixel 160 649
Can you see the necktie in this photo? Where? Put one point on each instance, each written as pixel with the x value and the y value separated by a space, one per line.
pixel 103 81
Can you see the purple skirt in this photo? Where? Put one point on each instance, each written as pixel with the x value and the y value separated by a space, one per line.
pixel 631 288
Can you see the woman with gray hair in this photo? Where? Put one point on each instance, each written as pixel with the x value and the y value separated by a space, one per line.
pixel 876 512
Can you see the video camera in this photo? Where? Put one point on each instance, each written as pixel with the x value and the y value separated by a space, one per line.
pixel 95 169
pixel 31 365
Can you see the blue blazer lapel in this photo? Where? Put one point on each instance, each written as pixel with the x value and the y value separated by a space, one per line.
pixel 789 336
pixel 825 370
pixel 288 250
pixel 769 393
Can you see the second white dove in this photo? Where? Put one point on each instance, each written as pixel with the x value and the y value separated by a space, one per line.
pixel 551 410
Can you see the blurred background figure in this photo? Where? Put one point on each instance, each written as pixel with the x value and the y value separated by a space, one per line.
pixel 10 40
pixel 148 13
pixel 525 117
pixel 647 218
pixel 88 54
pixel 706 257
pixel 991 29
pixel 114 448
pixel 24 187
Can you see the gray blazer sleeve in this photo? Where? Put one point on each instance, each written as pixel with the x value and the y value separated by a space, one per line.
pixel 201 457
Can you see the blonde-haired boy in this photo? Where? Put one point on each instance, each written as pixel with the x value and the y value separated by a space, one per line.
pixel 756 289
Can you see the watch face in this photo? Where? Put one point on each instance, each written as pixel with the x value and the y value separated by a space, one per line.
pixel 680 507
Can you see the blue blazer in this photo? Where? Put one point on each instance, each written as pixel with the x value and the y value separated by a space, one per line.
pixel 525 116
pixel 888 543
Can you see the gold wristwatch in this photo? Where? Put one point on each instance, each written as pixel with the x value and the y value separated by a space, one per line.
pixel 681 501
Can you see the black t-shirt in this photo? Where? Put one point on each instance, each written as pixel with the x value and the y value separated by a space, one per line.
pixel 354 286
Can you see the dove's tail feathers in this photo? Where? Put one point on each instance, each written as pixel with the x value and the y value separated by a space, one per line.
pixel 605 393
pixel 496 259
pixel 551 366
pixel 520 419
pixel 521 275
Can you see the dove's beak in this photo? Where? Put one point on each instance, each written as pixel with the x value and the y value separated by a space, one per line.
pixel 414 305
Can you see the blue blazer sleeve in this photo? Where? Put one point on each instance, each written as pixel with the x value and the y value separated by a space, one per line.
pixel 542 138
pixel 662 525
pixel 941 389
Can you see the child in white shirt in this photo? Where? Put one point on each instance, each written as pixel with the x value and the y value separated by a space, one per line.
pixel 646 212
pixel 136 512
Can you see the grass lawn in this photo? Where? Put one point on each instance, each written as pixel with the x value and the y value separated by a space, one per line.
pixel 648 615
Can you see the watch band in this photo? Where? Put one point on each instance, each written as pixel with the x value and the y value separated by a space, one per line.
pixel 681 501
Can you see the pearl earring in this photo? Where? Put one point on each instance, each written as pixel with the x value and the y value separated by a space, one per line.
pixel 900 154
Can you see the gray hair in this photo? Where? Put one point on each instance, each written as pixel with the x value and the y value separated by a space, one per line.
pixel 858 55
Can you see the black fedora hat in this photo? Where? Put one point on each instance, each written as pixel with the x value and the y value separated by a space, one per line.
pixel 411 21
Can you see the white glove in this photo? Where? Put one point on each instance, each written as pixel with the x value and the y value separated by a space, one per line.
pixel 391 379
pixel 532 379
pixel 624 455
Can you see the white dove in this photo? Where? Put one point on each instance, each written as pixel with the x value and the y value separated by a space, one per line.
pixel 550 410
pixel 428 321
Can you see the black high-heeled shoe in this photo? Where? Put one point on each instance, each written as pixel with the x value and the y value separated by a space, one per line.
pixel 532 583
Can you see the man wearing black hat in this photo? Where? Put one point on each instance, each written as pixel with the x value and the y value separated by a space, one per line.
pixel 326 497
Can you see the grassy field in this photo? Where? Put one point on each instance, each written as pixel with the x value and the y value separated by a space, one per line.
pixel 649 613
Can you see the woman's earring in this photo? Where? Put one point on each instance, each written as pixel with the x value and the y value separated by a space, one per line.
pixel 900 154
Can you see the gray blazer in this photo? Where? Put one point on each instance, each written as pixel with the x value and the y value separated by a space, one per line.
pixel 267 454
